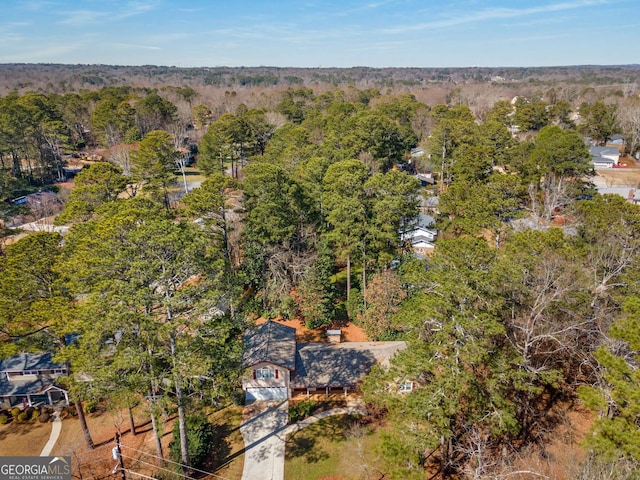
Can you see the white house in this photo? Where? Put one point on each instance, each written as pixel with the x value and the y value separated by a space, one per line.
pixel 604 157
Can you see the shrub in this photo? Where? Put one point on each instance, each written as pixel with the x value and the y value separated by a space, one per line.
pixel 200 435
pixel 44 417
pixel 23 416
pixel 90 406
pixel 238 397
pixel 36 414
pixel 30 411
pixel 15 411
pixel 300 411
pixel 4 419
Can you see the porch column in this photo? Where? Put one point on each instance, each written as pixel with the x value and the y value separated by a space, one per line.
pixel 49 397
pixel 66 397
pixel 345 392
pixel 29 400
pixel 307 393
pixel 327 391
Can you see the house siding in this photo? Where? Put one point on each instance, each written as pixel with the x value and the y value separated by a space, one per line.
pixel 282 380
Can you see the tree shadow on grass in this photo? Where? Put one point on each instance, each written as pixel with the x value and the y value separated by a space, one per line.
pixel 304 443
pixel 305 447
pixel 220 449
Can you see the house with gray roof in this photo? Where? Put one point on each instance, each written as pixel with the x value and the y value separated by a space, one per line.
pixel 276 366
pixel 270 357
pixel 604 157
pixel 29 379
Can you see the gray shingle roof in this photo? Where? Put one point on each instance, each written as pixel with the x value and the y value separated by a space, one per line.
pixel 271 342
pixel 339 364
pixel 9 388
pixel 28 361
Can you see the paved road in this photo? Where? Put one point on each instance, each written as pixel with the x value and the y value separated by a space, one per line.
pixel 265 433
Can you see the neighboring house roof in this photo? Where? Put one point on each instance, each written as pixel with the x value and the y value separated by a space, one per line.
pixel 272 342
pixel 29 361
pixel 425 221
pixel 426 179
pixel 421 242
pixel 39 386
pixel 616 140
pixel 606 152
pixel 420 232
pixel 339 364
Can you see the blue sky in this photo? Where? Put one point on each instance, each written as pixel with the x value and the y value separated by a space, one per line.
pixel 310 33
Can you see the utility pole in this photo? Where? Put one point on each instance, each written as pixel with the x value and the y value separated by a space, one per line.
pixel 117 455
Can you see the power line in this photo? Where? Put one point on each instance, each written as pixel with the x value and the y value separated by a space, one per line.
pixel 139 474
pixel 175 463
pixel 156 466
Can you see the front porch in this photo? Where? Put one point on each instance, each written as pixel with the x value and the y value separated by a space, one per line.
pixel 324 394
pixel 23 396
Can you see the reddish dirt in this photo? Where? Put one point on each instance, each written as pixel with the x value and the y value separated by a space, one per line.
pixel 103 426
pixel 561 458
pixel 30 438
pixel 350 332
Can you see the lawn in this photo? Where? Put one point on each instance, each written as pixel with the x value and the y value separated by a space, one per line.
pixel 227 456
pixel 335 448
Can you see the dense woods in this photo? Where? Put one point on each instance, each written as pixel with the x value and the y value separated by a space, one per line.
pixel 527 308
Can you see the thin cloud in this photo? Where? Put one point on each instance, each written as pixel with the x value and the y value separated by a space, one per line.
pixel 133 46
pixel 495 14
pixel 83 17
pixel 11 26
pixel 35 6
pixel 90 17
pixel 38 54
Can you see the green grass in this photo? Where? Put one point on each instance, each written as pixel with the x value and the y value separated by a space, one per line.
pixel 192 174
pixel 227 453
pixel 333 446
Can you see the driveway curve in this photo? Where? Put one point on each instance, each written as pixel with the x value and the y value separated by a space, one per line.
pixel 265 433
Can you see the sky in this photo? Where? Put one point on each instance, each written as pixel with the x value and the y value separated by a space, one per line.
pixel 331 33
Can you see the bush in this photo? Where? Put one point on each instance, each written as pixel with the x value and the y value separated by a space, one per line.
pixel 200 435
pixel 90 406
pixel 238 397
pixel 36 414
pixel 23 416
pixel 30 411
pixel 44 417
pixel 300 411
pixel 15 411
pixel 4 419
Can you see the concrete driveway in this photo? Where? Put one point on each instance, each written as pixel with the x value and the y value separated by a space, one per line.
pixel 264 440
pixel 265 431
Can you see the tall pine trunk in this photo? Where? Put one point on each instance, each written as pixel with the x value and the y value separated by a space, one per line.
pixel 83 424
pixel 132 423
pixel 156 433
pixel 348 277
pixel 182 417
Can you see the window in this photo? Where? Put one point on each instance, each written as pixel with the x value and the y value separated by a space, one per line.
pixel 265 372
pixel 406 386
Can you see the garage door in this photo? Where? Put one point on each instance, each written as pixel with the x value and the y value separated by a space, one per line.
pixel 275 393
